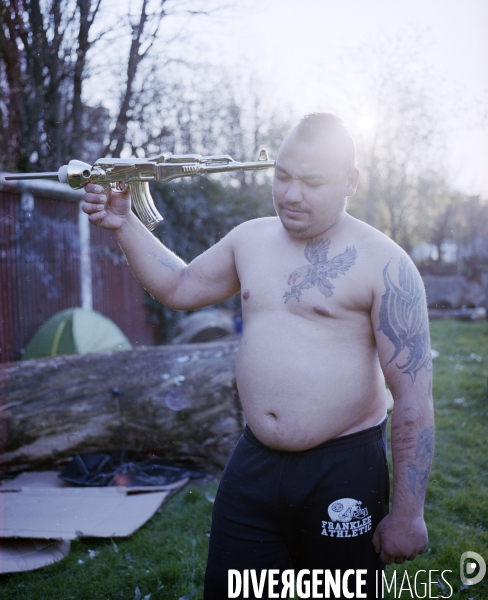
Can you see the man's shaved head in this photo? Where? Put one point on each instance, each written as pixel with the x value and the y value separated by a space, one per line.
pixel 329 128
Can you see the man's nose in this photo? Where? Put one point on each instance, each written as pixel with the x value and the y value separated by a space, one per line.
pixel 294 191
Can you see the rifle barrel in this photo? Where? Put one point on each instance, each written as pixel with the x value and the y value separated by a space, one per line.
pixel 237 166
pixel 22 176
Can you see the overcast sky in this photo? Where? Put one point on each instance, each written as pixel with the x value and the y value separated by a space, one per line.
pixel 293 43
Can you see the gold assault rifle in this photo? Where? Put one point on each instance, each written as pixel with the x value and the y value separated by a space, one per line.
pixel 138 172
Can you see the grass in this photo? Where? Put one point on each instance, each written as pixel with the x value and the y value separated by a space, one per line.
pixel 166 558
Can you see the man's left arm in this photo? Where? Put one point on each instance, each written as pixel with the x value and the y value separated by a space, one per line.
pixel 401 326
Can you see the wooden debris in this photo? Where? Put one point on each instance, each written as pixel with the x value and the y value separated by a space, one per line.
pixel 178 401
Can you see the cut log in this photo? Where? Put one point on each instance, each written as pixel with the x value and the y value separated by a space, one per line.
pixel 179 402
pixel 205 325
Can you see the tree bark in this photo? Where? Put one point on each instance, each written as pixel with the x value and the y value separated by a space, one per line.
pixel 86 21
pixel 135 58
pixel 179 402
pixel 10 54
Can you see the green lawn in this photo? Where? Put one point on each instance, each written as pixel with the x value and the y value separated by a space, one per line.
pixel 166 558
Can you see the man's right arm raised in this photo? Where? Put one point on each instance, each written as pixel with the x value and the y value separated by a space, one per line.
pixel 210 278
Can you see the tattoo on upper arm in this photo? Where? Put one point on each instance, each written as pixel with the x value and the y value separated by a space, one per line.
pixel 168 262
pixel 403 318
pixel 320 270
pixel 419 468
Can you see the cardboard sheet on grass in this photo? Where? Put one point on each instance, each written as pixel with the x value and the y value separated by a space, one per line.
pixel 40 513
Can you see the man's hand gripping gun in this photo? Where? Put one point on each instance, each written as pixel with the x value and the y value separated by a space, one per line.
pixel 138 172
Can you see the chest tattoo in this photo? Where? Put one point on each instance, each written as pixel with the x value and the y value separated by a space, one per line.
pixel 320 270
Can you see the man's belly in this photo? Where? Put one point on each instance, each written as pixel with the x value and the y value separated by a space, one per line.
pixel 301 385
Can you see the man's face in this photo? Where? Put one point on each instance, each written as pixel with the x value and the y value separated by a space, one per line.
pixel 310 186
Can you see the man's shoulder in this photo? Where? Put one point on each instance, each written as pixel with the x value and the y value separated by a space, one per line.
pixel 373 240
pixel 260 226
pixel 379 254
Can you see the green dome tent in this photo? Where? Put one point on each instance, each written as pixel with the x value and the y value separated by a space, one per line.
pixel 76 331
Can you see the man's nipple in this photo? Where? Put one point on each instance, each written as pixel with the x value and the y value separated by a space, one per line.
pixel 321 310
pixel 246 294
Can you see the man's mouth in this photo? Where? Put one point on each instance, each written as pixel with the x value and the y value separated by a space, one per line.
pixel 293 211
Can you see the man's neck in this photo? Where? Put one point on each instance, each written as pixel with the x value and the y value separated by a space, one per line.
pixel 331 229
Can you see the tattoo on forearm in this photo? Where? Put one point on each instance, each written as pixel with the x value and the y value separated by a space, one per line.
pixel 403 319
pixel 168 262
pixel 318 273
pixel 419 468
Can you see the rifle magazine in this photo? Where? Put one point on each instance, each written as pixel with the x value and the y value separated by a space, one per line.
pixel 144 205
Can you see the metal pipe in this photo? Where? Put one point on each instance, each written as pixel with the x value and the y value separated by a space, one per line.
pixel 23 176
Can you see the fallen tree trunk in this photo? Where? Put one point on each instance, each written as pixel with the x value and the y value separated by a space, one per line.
pixel 179 402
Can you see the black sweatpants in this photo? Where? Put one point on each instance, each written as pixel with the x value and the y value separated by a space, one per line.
pixel 313 509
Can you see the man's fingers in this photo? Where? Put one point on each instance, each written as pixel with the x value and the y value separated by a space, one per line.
pixel 97 218
pixel 94 198
pixel 377 540
pixel 92 207
pixel 386 558
pixel 93 188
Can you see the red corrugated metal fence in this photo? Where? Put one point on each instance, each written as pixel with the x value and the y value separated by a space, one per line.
pixel 40 272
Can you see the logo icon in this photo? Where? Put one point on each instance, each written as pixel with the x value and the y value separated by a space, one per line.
pixel 346 509
pixel 467 567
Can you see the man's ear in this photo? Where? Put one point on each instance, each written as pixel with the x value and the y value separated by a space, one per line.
pixel 352 182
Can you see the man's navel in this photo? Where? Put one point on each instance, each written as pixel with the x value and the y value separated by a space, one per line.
pixel 321 310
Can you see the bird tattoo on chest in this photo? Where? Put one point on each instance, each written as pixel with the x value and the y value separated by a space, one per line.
pixel 320 270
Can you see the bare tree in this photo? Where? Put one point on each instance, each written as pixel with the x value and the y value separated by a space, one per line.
pixel 42 109
pixel 145 112
pixel 11 103
pixel 197 108
pixel 45 50
pixel 472 236
pixel 143 34
pixel 406 138
pixel 87 14
pixel 439 210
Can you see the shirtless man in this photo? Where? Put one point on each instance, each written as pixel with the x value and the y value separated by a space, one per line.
pixel 331 308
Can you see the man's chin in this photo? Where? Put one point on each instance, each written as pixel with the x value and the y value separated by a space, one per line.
pixel 295 228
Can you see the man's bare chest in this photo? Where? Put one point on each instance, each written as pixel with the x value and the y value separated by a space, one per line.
pixel 317 279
